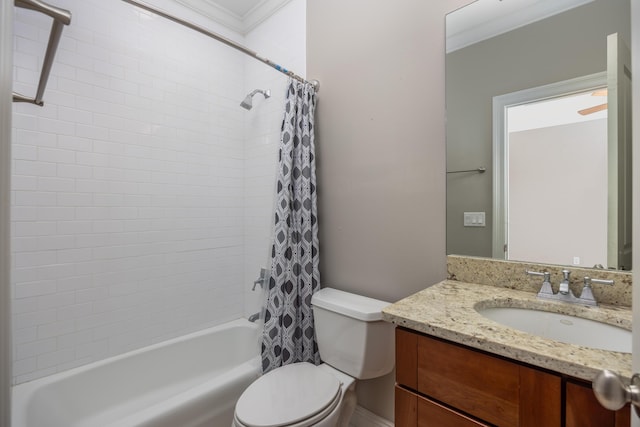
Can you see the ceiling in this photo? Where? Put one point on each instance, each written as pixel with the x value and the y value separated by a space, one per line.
pixel 475 22
pixel 484 19
pixel 239 15
pixel 555 112
pixel 239 7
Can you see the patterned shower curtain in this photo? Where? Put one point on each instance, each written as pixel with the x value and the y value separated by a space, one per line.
pixel 288 334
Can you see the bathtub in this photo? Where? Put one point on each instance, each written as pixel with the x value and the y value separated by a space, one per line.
pixel 194 380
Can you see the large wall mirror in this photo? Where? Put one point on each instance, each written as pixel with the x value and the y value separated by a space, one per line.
pixel 538 131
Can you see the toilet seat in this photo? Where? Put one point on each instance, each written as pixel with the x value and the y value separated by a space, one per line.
pixel 296 395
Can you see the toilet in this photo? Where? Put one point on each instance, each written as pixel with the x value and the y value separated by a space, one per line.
pixel 354 343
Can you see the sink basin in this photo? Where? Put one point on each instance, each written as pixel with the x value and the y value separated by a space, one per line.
pixel 562 327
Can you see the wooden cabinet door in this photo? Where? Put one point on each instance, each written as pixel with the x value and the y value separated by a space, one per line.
pixel 407 358
pixel 584 410
pixel 432 414
pixel 476 383
pixel 406 410
pixel 540 398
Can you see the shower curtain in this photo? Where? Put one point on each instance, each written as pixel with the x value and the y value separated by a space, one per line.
pixel 288 334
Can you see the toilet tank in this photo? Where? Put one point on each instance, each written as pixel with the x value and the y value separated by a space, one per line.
pixel 351 334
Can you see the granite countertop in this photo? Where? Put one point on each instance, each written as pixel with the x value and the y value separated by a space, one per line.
pixel 448 310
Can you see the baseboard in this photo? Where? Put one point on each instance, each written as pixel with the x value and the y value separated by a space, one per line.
pixel 365 418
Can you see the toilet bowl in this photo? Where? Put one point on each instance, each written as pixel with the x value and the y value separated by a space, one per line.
pixel 296 395
pixel 354 343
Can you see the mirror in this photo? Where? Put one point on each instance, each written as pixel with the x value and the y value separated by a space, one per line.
pixel 502 49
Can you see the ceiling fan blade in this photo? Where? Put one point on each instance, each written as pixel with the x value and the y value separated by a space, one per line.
pixel 600 92
pixel 592 110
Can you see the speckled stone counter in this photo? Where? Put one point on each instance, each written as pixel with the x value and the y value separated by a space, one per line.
pixel 448 310
pixel 511 274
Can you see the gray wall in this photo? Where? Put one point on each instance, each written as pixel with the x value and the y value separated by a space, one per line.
pixel 381 152
pixel 574 178
pixel 566 46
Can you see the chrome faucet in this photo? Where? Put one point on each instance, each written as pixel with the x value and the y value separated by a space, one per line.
pixel 564 285
pixel 261 279
pixel 546 288
pixel 587 291
pixel 564 293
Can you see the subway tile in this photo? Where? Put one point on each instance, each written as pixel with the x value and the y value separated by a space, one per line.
pixel 40 228
pixel 74 311
pixel 74 339
pixel 27 137
pixel 23 244
pixel 74 115
pixel 24 152
pixel 35 198
pixel 144 151
pixel 74 143
pixel 24 305
pixel 55 184
pixel 74 227
pixel 24 183
pixel 92 132
pixel 54 358
pixel 56 328
pixel 77 283
pixel 56 242
pixel 56 155
pixel 34 259
pixel 67 256
pixel 35 348
pixel 34 168
pixel 55 301
pixel 34 288
pixel 74 199
pixel 24 366
pixel 55 214
pixel 74 171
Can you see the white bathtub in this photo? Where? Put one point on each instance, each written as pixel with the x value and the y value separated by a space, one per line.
pixel 194 380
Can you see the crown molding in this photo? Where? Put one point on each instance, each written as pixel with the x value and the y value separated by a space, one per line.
pixel 471 31
pixel 217 13
pixel 261 12
pixel 241 24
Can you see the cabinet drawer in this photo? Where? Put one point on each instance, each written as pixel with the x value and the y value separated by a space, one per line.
pixel 417 411
pixel 483 386
pixel 432 414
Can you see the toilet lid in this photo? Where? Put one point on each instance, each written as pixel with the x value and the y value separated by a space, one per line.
pixel 287 395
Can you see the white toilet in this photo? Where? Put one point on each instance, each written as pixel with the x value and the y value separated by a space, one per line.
pixel 354 343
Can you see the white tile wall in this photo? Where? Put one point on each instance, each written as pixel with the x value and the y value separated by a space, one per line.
pixel 131 217
pixel 282 38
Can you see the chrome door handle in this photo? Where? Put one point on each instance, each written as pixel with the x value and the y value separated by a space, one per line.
pixel 612 392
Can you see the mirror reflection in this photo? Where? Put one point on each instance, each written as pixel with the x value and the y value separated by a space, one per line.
pixel 538 131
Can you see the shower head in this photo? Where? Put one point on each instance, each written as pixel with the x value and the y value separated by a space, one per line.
pixel 247 104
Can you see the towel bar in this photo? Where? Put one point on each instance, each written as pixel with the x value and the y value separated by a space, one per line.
pixel 60 17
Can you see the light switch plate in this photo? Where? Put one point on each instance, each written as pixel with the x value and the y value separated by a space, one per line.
pixel 474 219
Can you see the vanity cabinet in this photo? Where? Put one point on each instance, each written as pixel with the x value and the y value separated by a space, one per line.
pixel 443 384
pixel 583 410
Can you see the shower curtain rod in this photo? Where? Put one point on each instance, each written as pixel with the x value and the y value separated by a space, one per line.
pixel 222 39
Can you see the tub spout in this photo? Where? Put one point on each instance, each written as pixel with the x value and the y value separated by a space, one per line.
pixel 254 317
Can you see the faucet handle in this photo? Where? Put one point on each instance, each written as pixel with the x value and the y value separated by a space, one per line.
pixel 260 280
pixel 565 274
pixel 588 281
pixel 546 290
pixel 545 274
pixel 586 296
